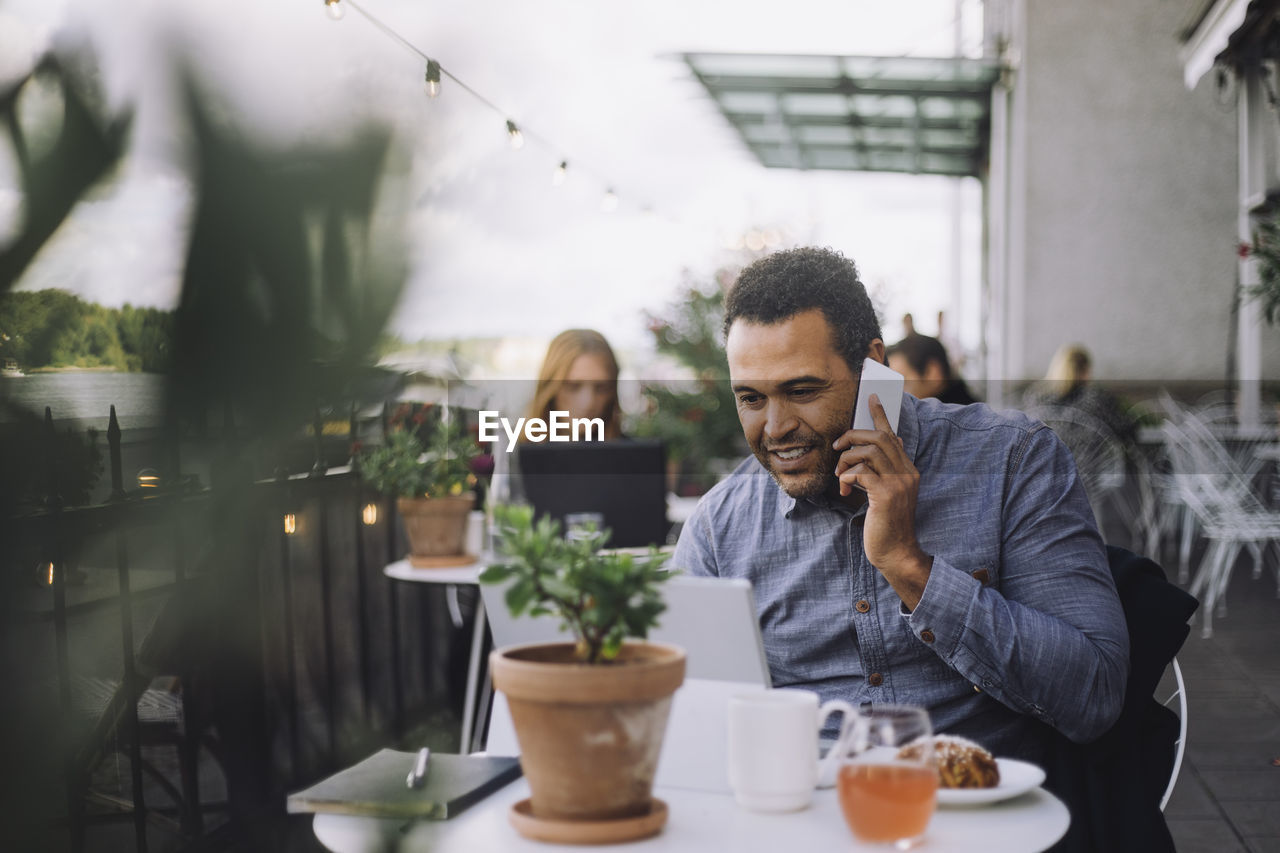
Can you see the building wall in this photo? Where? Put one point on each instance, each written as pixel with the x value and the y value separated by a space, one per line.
pixel 1122 198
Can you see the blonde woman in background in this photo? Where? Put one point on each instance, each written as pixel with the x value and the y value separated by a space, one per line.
pixel 1069 383
pixel 579 375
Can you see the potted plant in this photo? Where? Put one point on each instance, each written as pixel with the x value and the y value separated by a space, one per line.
pixel 431 481
pixel 589 715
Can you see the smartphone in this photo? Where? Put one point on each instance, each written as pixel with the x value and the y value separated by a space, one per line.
pixel 884 383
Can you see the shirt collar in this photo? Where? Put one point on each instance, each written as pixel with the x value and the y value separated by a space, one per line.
pixel 909 426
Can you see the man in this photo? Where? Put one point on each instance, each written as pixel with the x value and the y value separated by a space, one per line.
pixel 954 565
pixel 923 361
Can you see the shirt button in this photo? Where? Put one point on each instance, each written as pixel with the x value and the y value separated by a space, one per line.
pixel 862 606
pixel 875 679
pixel 927 636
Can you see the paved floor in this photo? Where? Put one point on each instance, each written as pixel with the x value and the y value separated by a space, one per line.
pixel 1228 795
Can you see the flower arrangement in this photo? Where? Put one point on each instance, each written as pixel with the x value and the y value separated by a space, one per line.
pixel 406 465
pixel 602 598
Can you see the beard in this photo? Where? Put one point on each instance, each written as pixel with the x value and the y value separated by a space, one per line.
pixel 816 478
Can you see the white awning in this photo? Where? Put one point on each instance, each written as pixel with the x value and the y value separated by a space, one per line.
pixel 1210 38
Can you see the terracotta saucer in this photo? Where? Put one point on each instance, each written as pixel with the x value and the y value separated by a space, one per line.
pixel 588 832
pixel 447 562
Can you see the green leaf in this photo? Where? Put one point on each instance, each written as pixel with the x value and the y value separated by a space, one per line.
pixel 519 595
pixel 496 574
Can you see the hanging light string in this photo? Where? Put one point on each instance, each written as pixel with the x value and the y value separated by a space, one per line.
pixel 516 132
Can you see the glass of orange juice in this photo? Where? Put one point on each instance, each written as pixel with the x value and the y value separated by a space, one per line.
pixel 887 799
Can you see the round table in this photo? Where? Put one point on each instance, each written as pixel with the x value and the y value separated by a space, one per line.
pixel 702 821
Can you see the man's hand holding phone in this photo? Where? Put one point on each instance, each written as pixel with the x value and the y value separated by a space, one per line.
pixel 875 461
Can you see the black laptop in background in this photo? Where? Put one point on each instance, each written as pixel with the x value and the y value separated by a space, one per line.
pixel 624 480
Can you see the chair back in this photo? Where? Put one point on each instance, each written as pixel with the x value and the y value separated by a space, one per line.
pixel 1178 695
pixel 1114 488
pixel 1207 477
pixel 1099 455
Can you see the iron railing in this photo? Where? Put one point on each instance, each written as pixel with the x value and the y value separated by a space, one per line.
pixel 285 651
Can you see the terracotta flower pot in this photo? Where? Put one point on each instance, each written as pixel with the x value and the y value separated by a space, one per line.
pixel 437 529
pixel 590 734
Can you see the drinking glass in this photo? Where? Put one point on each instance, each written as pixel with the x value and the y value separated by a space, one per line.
pixel 886 798
pixel 584 526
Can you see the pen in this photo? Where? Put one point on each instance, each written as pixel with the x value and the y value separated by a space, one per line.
pixel 418 774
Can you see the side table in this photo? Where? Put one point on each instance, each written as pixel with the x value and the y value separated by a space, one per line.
pixel 468 575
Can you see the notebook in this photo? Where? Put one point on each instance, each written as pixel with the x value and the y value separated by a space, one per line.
pixel 376 786
pixel 625 481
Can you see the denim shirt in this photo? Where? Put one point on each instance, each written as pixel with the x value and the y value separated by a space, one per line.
pixel 1019 618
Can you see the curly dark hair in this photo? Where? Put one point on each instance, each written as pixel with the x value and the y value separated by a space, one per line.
pixel 777 287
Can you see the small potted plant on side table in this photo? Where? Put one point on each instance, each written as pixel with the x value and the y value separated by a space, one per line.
pixel 431 481
pixel 589 715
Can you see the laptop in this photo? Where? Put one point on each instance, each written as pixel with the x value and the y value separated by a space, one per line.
pixel 714 620
pixel 625 481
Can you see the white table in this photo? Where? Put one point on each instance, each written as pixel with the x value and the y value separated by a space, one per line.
pixel 403 570
pixel 700 821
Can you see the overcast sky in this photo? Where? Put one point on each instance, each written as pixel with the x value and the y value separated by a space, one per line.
pixel 496 248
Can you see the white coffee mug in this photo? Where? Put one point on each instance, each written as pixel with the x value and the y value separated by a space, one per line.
pixel 773 747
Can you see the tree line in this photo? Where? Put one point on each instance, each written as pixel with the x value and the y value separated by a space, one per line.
pixel 53 328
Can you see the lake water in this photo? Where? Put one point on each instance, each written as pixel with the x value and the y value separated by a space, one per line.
pixel 88 397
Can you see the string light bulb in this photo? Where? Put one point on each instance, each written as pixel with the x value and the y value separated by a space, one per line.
pixel 336 9
pixel 433 78
pixel 517 138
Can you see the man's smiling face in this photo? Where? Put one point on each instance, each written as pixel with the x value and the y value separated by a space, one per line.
pixel 795 397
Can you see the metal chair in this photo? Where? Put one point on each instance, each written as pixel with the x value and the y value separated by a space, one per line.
pixel 1180 694
pixel 1105 470
pixel 1220 495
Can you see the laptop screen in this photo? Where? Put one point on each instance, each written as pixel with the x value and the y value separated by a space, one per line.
pixel 713 619
pixel 625 481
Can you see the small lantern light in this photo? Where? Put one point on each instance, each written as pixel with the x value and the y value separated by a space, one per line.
pixel 432 82
pixel 290 523
pixel 369 515
pixel 514 136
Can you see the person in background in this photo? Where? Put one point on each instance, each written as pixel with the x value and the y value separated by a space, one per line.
pixel 579 375
pixel 1068 383
pixel 923 361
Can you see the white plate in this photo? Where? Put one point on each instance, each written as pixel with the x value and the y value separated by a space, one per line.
pixel 1016 777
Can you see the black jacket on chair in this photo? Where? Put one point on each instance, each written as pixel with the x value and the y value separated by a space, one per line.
pixel 1113 786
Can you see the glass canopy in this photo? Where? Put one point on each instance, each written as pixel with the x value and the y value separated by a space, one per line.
pixel 879 114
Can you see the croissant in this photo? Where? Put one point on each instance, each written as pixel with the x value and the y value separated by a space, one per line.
pixel 961 763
